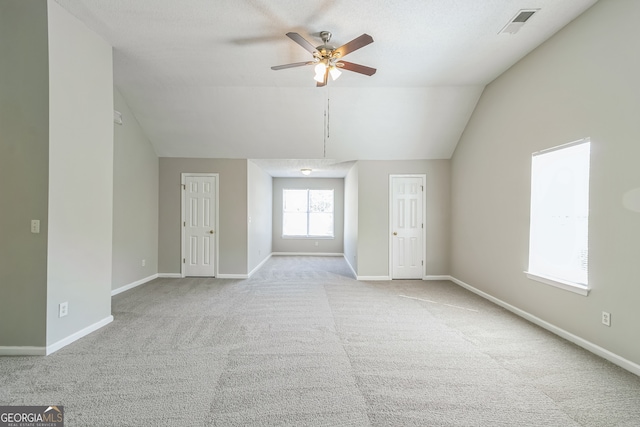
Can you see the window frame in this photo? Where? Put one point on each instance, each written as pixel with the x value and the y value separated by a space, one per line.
pixel 539 276
pixel 308 213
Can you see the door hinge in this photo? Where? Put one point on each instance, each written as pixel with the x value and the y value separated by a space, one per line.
pixel 422 262
pixel 184 224
pixel 184 186
pixel 422 225
pixel 184 260
pixel 422 187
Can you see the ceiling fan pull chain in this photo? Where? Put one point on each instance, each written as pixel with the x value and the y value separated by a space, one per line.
pixel 324 141
pixel 328 114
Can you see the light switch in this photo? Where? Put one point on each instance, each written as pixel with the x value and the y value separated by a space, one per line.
pixel 35 225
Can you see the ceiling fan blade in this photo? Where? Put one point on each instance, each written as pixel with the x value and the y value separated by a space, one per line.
pixel 362 69
pixel 326 78
pixel 302 42
pixel 295 64
pixel 354 44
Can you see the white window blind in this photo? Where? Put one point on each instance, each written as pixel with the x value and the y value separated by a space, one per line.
pixel 559 228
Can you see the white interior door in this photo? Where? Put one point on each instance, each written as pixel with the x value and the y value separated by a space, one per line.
pixel 407 227
pixel 199 222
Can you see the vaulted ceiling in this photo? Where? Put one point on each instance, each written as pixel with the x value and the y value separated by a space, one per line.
pixel 197 76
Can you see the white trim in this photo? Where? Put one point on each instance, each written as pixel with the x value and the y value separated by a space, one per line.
pixel 350 266
pixel 22 351
pixel 216 213
pixel 310 236
pixel 424 219
pixel 133 284
pixel 76 336
pixel 561 146
pixel 252 272
pixel 558 283
pixel 587 345
pixel 170 275
pixel 372 278
pixel 230 276
pixel 299 237
pixel 436 277
pixel 306 254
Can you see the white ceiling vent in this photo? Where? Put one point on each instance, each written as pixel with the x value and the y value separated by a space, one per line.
pixel 514 25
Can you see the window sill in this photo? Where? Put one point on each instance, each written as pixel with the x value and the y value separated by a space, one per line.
pixel 562 284
pixel 309 237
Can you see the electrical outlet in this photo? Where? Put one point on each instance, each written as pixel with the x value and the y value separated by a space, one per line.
pixel 606 318
pixel 35 226
pixel 144 262
pixel 63 309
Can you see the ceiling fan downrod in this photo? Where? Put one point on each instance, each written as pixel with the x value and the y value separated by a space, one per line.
pixel 325 36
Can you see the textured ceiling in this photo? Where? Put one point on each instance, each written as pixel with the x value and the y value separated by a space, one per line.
pixel 196 73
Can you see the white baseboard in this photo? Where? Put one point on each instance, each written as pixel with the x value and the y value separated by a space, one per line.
pixel 133 285
pixel 306 254
pixel 170 275
pixel 389 277
pixel 76 336
pixel 373 278
pixel 22 351
pixel 45 351
pixel 232 276
pixel 587 345
pixel 219 276
pixel 350 266
pixel 259 265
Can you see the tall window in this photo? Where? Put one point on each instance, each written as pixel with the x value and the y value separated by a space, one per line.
pixel 559 229
pixel 307 213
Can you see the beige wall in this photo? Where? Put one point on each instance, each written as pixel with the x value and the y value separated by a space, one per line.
pixel 373 214
pixel 24 171
pixel 135 201
pixel 80 176
pixel 583 82
pixel 233 198
pixel 330 246
pixel 351 217
pixel 260 198
pixel 58 138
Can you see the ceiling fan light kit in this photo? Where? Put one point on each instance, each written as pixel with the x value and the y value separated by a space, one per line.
pixel 328 59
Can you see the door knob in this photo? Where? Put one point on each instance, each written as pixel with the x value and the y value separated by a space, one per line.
pixel 395 234
pixel 211 231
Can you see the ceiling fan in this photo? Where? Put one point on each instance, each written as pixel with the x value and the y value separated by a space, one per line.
pixel 328 59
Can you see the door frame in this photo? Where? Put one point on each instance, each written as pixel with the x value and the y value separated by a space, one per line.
pixel 424 220
pixel 183 219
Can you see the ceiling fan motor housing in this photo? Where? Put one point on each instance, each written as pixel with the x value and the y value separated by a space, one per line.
pixel 326 51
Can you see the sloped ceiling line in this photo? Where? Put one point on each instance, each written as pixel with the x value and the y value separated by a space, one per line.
pixel 196 74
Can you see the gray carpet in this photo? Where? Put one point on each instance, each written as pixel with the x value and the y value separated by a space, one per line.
pixel 303 343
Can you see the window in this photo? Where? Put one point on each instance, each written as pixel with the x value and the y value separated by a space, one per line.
pixel 307 213
pixel 559 228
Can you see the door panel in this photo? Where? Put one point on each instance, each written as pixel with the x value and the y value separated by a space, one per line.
pixel 199 247
pixel 407 245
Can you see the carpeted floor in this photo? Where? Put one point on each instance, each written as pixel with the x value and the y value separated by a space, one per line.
pixel 303 343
